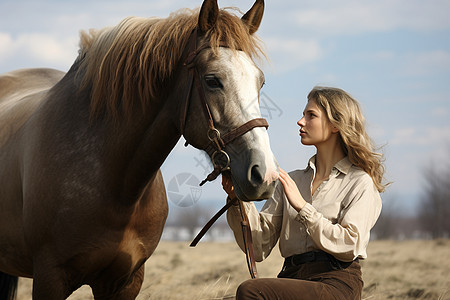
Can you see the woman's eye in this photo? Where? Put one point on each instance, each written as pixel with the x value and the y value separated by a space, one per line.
pixel 213 82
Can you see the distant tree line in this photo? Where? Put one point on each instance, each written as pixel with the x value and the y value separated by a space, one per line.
pixel 434 211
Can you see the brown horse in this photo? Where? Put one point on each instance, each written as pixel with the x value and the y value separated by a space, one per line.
pixel 82 199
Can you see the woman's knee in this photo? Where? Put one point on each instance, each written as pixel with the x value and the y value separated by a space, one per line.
pixel 248 290
pixel 261 289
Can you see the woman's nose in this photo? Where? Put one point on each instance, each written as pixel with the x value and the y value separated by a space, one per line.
pixel 301 122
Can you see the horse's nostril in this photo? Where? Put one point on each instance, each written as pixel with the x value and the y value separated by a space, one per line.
pixel 256 175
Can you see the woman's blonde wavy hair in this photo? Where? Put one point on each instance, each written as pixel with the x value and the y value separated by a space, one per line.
pixel 345 114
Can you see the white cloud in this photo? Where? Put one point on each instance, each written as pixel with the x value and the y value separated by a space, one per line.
pixel 288 54
pixel 426 63
pixel 441 112
pixel 42 49
pixel 377 133
pixel 48 48
pixel 383 56
pixel 350 17
pixel 421 136
pixel 6 43
pixel 404 136
pixel 420 63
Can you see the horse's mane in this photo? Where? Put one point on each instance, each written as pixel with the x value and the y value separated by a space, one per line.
pixel 127 65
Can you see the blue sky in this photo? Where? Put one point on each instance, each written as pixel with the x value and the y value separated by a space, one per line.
pixel 391 55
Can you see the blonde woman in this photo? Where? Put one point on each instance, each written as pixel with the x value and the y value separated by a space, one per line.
pixel 322 215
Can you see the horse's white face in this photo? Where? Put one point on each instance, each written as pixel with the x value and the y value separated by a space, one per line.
pixel 231 83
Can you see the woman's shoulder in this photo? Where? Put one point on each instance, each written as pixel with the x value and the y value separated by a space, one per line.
pixel 359 177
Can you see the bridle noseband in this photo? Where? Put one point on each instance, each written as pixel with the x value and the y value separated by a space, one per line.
pixel 219 157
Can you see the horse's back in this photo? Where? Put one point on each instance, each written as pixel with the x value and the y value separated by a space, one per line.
pixel 19 83
pixel 21 92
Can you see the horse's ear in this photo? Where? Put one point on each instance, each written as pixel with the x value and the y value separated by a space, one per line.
pixel 254 16
pixel 208 15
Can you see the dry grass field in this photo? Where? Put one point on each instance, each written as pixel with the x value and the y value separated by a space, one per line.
pixel 394 270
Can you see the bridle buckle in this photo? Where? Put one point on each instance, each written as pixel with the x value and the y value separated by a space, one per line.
pixel 221 160
pixel 213 134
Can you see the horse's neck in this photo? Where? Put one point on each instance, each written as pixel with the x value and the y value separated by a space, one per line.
pixel 153 147
pixel 131 151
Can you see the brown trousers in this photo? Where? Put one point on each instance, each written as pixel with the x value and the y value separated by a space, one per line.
pixel 315 280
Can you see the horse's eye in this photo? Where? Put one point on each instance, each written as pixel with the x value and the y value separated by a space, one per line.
pixel 213 82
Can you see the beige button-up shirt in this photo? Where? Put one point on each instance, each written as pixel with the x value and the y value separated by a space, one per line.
pixel 337 218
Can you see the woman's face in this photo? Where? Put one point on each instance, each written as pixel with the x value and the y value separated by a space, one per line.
pixel 315 128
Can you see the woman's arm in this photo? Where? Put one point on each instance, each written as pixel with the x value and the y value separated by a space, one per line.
pixel 349 237
pixel 265 225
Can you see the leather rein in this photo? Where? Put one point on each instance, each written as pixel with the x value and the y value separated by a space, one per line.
pixel 216 148
pixel 246 233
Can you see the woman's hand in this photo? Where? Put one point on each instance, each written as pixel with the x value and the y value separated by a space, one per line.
pixel 290 189
pixel 227 185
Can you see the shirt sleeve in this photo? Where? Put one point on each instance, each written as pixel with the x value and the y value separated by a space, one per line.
pixel 265 225
pixel 349 237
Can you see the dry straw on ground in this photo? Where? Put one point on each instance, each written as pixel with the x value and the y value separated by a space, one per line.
pixel 394 270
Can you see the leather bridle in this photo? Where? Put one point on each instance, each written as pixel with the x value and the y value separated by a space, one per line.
pixel 246 233
pixel 216 147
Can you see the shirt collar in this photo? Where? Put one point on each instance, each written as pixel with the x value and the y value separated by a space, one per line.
pixel 312 163
pixel 342 166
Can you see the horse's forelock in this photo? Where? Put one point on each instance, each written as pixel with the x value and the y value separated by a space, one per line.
pixel 126 65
